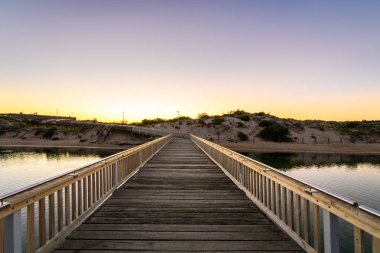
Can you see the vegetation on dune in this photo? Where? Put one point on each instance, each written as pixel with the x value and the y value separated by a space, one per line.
pixel 244 117
pixel 242 136
pixel 233 123
pixel 217 121
pixel 203 115
pixel 359 130
pixel 274 131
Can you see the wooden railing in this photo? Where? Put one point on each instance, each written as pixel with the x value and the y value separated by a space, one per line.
pixel 300 209
pixel 57 206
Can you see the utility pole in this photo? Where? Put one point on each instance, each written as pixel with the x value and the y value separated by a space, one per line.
pixel 178 117
pixel 123 118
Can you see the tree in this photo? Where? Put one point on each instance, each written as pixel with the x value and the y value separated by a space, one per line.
pixel 203 115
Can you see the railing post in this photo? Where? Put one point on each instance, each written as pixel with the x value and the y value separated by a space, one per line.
pixel 12 233
pixel 114 174
pixel 375 244
pixel 331 232
pixel 241 178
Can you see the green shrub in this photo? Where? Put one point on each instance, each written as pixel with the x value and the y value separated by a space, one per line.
pixel 49 133
pixel 240 124
pixel 266 122
pixel 146 122
pixel 260 114
pixel 275 132
pixel 244 117
pixel 217 121
pixel 242 136
pixel 38 131
pixel 299 126
pixel 203 115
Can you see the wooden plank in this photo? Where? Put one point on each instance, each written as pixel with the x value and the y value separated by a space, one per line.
pixel 269 194
pixel 375 244
pixel 51 216
pixel 30 228
pixel 60 209
pixel 85 196
pixel 80 197
pixel 284 215
pixel 291 209
pixel 317 229
pixel 93 189
pixel 73 202
pixel 278 199
pixel 67 206
pixel 101 183
pixel 298 214
pixel 306 220
pixel 179 227
pixel 178 235
pixel 359 241
pixel 137 245
pixel 42 221
pixel 182 251
pixel 97 182
pixel 1 235
pixel 89 191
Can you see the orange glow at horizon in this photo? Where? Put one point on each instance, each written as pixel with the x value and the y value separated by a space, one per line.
pixel 155 104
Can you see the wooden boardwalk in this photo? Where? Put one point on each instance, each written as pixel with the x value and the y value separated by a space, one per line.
pixel 179 201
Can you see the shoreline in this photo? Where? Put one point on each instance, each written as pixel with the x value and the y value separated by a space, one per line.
pixel 369 149
pixel 247 147
pixel 59 144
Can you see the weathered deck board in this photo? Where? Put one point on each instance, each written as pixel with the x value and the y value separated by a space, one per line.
pixel 179 201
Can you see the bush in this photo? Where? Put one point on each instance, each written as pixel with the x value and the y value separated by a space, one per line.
pixel 146 122
pixel 265 123
pixel 240 124
pixel 203 115
pixel 275 132
pixel 50 132
pixel 244 117
pixel 38 131
pixel 242 136
pixel 299 126
pixel 217 121
pixel 260 114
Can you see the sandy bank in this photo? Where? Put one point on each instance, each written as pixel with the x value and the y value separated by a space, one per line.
pixel 370 148
pixel 59 143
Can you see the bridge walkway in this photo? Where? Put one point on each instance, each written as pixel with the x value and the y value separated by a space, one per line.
pixel 179 201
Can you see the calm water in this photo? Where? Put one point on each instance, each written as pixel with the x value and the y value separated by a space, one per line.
pixel 354 176
pixel 20 167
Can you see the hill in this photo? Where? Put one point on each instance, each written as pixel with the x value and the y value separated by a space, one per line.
pixel 241 126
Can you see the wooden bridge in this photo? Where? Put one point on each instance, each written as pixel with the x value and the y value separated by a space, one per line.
pixel 177 194
pixel 179 201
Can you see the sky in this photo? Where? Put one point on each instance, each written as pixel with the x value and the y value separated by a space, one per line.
pixel 97 59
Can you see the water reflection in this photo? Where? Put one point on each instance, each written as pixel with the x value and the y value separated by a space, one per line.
pixel 285 161
pixel 21 167
pixel 355 176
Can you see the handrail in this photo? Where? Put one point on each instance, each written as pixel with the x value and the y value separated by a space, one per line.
pixel 68 198
pixel 280 197
pixel 106 159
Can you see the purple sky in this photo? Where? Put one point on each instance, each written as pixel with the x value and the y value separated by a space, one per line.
pixel 297 59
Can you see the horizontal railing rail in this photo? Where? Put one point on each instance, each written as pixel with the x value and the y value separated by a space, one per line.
pixel 288 202
pixel 54 207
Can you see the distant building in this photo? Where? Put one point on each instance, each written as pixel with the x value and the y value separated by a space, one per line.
pixel 35 116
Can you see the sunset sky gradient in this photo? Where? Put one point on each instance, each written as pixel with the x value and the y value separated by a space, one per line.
pixel 97 59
